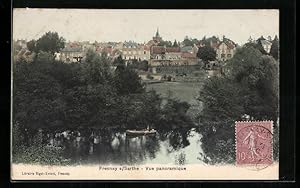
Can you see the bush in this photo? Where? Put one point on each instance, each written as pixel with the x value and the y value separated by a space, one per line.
pixel 33 151
pixel 39 154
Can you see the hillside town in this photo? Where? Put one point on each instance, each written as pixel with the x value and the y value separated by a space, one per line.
pixel 156 51
pixel 162 58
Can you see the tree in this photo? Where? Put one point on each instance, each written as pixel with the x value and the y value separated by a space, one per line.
pixel 174 114
pixel 96 68
pixel 274 51
pixel 119 62
pixel 127 81
pixel 175 44
pixel 206 53
pixel 139 65
pixel 50 42
pixel 195 41
pixel 257 45
pixel 165 43
pixel 187 42
pixel 37 94
pixel 221 99
pixel 208 41
pixel 259 76
pixel 31 45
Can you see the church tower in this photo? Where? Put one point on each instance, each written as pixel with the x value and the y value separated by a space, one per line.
pixel 157 38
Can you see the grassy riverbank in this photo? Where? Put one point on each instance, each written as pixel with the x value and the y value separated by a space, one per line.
pixel 184 91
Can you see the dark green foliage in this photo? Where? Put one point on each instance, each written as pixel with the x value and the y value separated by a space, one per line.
pixel 119 61
pixel 274 51
pixel 139 65
pixel 49 42
pixel 258 75
pixel 28 147
pixel 96 68
pixel 175 44
pixel 221 99
pixel 31 45
pixel 211 40
pixel 257 45
pixel 206 53
pixel 174 114
pixel 187 42
pixel 127 81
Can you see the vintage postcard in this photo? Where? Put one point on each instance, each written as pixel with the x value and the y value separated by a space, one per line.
pixel 111 94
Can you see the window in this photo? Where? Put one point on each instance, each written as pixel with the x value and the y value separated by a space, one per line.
pixel 222 55
pixel 144 52
pixel 229 55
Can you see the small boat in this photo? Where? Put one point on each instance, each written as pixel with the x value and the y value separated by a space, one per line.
pixel 140 132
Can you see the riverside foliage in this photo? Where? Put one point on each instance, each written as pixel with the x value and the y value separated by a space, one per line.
pixel 249 85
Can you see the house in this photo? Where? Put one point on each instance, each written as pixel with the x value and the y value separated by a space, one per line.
pixel 87 45
pixel 158 52
pixel 72 52
pixel 108 50
pixel 172 53
pixel 266 45
pixel 132 50
pixel 225 50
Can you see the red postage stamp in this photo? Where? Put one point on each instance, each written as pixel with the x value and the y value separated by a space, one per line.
pixel 254 145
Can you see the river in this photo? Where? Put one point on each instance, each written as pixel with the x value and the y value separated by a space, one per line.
pixel 166 147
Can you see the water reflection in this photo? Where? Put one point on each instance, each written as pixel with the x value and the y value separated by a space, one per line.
pixel 110 147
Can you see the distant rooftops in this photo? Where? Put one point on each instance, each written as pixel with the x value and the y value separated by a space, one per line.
pixel 130 44
pixel 72 47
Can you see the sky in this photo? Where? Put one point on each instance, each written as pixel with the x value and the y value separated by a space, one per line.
pixel 118 25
